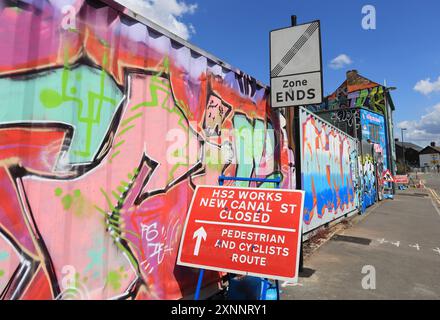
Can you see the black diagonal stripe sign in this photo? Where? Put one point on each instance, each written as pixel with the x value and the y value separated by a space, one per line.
pixel 295 65
pixel 294 49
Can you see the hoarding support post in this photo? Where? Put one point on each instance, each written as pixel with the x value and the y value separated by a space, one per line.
pixel 277 182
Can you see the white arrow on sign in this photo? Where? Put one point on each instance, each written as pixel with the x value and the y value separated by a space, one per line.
pixel 199 234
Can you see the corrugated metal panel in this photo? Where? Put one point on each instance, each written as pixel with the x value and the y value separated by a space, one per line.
pixel 106 127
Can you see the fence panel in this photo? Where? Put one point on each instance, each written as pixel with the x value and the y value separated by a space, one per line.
pixel 329 165
pixel 107 125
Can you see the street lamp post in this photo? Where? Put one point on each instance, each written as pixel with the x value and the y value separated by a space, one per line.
pixel 389 128
pixel 403 150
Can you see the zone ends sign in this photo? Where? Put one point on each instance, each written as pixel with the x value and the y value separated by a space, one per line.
pixel 250 231
pixel 296 66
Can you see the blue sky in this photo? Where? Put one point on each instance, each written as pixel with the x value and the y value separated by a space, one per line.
pixel 403 49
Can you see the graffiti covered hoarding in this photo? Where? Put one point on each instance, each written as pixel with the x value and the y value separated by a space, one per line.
pixel 369 176
pixel 329 162
pixel 107 126
pixel 373 129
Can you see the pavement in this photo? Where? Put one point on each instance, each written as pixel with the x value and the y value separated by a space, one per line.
pixel 394 249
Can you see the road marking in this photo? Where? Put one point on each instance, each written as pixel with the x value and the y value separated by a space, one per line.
pixel 397 244
pixel 435 207
pixel 415 246
pixel 434 196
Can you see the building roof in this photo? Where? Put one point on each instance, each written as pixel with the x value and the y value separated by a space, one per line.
pixel 409 145
pixel 353 82
pixel 356 82
pixel 430 150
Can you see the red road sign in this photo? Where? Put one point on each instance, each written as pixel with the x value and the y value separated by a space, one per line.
pixel 403 179
pixel 250 231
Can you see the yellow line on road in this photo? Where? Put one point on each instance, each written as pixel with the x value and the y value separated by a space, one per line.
pixel 434 194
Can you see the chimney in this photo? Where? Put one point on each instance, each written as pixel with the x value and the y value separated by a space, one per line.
pixel 352 77
pixel 351 74
pixel 433 144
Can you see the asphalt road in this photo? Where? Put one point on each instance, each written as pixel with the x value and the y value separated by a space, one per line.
pixel 431 180
pixel 398 244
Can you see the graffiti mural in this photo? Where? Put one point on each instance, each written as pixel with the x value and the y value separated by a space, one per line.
pixel 369 177
pixel 347 120
pixel 373 99
pixel 373 129
pixel 355 92
pixel 106 128
pixel 349 116
pixel 329 166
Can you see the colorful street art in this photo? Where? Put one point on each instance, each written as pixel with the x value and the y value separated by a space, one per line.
pixel 373 129
pixel 358 107
pixel 372 99
pixel 329 167
pixel 370 128
pixel 348 120
pixel 369 175
pixel 106 128
pixel 355 92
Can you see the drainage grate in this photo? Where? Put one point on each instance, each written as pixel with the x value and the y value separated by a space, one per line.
pixel 358 240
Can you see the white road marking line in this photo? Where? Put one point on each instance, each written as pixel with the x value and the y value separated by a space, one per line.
pixel 415 246
pixel 397 244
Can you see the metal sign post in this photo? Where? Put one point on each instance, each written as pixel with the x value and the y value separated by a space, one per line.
pixel 296 79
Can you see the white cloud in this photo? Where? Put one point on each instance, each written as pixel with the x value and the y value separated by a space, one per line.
pixel 426 86
pixel 340 61
pixel 166 13
pixel 422 131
